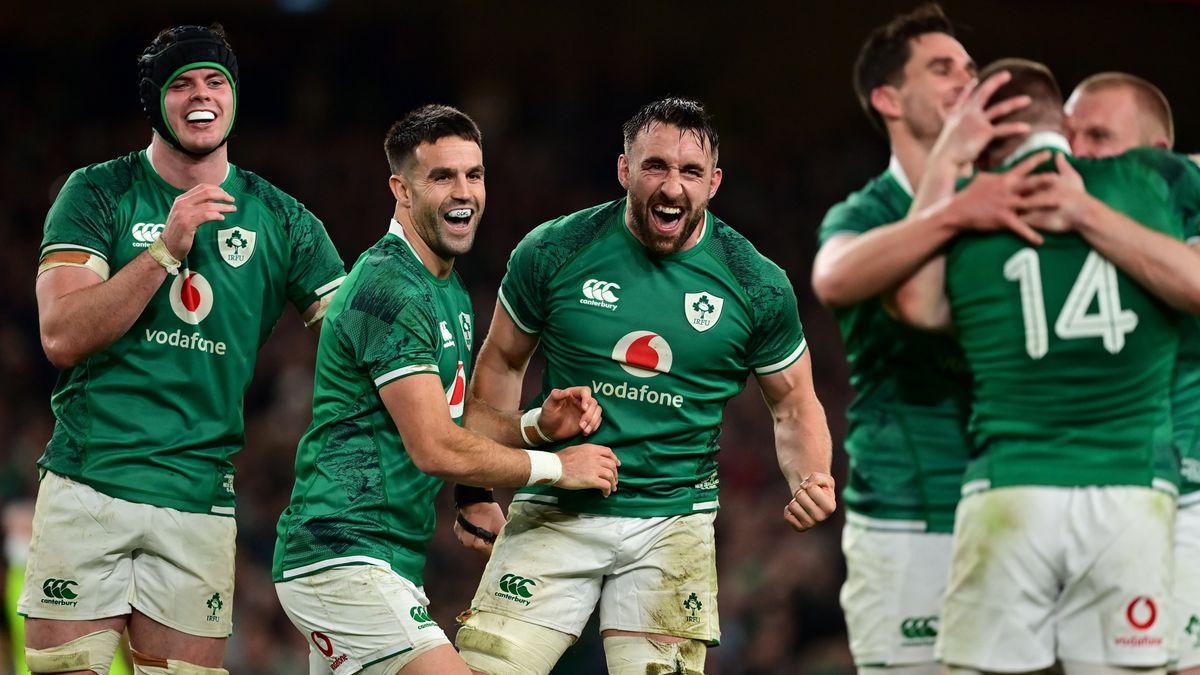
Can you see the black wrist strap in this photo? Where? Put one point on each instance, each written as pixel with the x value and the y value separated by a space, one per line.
pixel 467 494
pixel 476 530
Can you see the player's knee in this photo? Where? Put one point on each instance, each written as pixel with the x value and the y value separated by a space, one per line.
pixel 144 664
pixel 633 655
pixel 93 652
pixel 501 645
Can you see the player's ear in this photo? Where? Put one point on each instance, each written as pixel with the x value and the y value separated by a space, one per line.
pixel 886 101
pixel 623 171
pixel 715 182
pixel 400 190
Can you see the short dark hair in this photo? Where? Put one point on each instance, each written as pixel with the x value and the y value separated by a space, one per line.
pixel 882 57
pixel 1150 99
pixel 427 124
pixel 1029 78
pixel 685 113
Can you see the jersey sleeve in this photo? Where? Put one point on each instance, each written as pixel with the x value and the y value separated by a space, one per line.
pixel 390 334
pixel 316 269
pixel 80 220
pixel 524 285
pixel 778 338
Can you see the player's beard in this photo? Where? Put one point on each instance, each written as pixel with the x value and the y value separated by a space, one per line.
pixel 434 230
pixel 651 238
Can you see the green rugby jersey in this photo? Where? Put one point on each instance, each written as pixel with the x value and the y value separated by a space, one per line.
pixel 663 341
pixel 156 417
pixel 906 437
pixel 1185 390
pixel 359 499
pixel 1072 358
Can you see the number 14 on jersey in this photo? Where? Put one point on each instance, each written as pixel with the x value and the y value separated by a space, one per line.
pixel 1097 281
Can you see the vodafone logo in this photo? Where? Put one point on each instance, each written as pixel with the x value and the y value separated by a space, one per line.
pixel 643 354
pixel 1141 613
pixel 191 297
pixel 456 395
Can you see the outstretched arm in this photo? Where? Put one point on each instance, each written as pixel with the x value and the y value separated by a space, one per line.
pixel 802 443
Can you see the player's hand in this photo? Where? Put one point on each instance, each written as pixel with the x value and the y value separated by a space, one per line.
pixel 812 503
pixel 1059 199
pixel 587 466
pixel 570 412
pixel 995 201
pixel 969 127
pixel 484 515
pixel 202 204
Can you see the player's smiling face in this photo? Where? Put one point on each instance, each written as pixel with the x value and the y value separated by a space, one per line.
pixel 670 174
pixel 446 194
pixel 937 71
pixel 199 107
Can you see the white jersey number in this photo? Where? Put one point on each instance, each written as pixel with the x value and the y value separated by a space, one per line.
pixel 1097 281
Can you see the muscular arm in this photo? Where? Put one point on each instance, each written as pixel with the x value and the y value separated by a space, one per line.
pixel 851 268
pixel 80 314
pixel 494 398
pixel 1166 266
pixel 802 443
pixel 439 447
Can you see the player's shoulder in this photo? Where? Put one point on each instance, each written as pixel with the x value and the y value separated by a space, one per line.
pixel 249 183
pixel 108 179
pixel 386 278
pixel 553 244
pixel 576 229
pixel 882 200
pixel 752 270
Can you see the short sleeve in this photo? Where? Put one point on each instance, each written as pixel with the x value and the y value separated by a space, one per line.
pixel 523 287
pixel 81 219
pixel 389 335
pixel 316 268
pixel 778 339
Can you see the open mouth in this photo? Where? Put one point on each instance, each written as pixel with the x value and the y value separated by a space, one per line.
pixel 201 118
pixel 666 217
pixel 459 218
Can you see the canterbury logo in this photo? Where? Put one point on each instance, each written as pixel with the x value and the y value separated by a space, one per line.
pixel 420 614
pixel 147 232
pixel 59 588
pixel 596 289
pixel 515 585
pixel 917 627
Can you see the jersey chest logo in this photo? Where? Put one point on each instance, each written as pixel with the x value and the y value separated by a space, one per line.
pixel 702 310
pixel 456 394
pixel 236 245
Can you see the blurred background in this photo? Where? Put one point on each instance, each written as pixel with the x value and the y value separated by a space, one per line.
pixel 550 85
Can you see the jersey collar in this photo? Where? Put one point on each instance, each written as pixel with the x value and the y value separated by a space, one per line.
pixel 1038 140
pixel 898 174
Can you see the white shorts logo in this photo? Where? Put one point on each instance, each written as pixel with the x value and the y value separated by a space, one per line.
pixel 456 395
pixel 191 297
pixel 643 354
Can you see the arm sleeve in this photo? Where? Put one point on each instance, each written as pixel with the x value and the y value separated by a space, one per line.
pixel 778 338
pixel 390 334
pixel 523 287
pixel 316 270
pixel 81 219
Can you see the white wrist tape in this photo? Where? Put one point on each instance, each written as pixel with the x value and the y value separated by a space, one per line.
pixel 531 419
pixel 545 468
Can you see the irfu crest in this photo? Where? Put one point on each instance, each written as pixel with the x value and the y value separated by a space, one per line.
pixel 702 309
pixel 236 245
